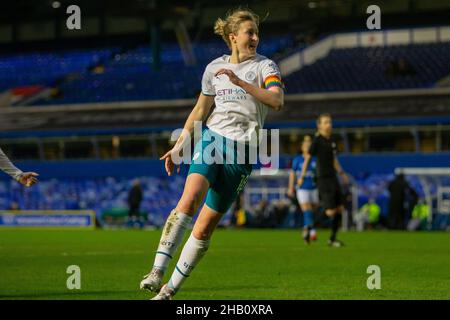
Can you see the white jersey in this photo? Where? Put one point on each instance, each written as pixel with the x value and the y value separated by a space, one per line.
pixel 237 114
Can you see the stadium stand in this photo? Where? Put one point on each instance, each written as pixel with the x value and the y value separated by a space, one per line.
pixel 109 194
pixel 125 76
pixel 113 74
pixel 390 67
pixel 103 185
pixel 101 195
pixel 45 69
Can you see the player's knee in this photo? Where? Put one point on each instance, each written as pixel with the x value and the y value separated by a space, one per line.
pixel 202 233
pixel 190 202
pixel 203 230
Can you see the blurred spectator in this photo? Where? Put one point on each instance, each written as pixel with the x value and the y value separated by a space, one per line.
pixel 261 214
pixel 399 67
pixel 368 214
pixel 404 68
pixel 401 196
pixel 420 216
pixel 278 210
pixel 134 203
pixel 347 197
pixel 14 206
pixel 239 215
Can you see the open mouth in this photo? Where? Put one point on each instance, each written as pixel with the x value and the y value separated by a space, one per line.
pixel 252 47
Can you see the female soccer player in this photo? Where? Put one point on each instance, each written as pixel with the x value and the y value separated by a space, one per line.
pixel 25 178
pixel 307 195
pixel 243 86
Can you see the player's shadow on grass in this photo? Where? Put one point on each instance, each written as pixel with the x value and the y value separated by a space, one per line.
pixel 128 294
pixel 76 294
pixel 229 287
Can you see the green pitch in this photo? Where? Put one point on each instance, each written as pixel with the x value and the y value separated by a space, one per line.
pixel 240 264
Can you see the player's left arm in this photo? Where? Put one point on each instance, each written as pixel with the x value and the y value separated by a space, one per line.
pixel 271 95
pixel 291 188
pixel 305 166
pixel 340 171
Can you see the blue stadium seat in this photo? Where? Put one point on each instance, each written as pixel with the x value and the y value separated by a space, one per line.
pixel 130 76
pixel 357 69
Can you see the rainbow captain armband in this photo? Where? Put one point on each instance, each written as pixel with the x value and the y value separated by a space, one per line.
pixel 272 81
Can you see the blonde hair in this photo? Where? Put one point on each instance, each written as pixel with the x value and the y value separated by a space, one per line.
pixel 223 27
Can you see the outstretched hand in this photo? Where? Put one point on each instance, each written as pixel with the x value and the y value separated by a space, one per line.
pixel 28 178
pixel 291 192
pixel 169 164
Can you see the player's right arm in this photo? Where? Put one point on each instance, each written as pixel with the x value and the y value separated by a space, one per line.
pixel 25 178
pixel 198 113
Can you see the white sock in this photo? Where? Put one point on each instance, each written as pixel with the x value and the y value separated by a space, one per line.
pixel 171 238
pixel 192 253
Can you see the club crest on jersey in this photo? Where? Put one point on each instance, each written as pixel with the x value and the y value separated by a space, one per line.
pixel 250 76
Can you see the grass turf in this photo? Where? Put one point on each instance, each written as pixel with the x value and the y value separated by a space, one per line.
pixel 240 264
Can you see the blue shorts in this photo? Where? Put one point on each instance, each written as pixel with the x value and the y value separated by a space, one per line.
pixel 226 178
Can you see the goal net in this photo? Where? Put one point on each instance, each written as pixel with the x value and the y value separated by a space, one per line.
pixel 433 185
pixel 272 187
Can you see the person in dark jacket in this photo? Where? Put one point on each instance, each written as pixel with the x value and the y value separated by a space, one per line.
pixel 134 201
pixel 401 194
